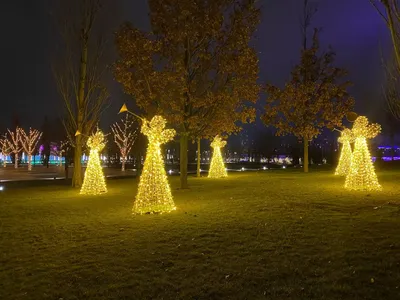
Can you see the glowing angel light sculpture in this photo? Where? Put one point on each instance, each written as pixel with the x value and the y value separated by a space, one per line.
pixel 343 167
pixel 362 173
pixel 154 194
pixel 217 166
pixel 94 182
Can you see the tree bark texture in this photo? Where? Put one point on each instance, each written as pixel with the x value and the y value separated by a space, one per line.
pixel 305 166
pixel 183 162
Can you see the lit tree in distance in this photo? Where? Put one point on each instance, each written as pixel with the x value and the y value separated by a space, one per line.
pixel 29 142
pixel 343 167
pixel 60 149
pixel 217 167
pixel 15 144
pixel 5 149
pixel 124 137
pixel 362 173
pixel 94 182
pixel 154 194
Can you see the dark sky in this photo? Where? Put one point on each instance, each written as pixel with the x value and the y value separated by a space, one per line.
pixel 29 37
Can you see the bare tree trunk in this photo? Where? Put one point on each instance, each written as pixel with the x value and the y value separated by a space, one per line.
pixel 60 159
pixel 77 175
pixel 183 160
pixel 16 161
pixel 29 162
pixel 198 157
pixel 123 164
pixel 305 166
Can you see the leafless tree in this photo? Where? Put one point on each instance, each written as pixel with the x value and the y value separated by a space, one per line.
pixel 14 144
pixel 79 74
pixel 310 8
pixel 391 88
pixel 5 149
pixel 124 136
pixel 29 141
pixel 389 10
pixel 59 150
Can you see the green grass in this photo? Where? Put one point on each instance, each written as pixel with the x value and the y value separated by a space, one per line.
pixel 268 235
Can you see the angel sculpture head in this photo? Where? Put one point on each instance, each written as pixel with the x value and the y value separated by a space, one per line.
pixel 346 136
pixel 156 132
pixel 96 141
pixel 218 142
pixel 362 128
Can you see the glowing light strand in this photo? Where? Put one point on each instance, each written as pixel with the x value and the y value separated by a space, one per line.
pixel 61 148
pixel 217 166
pixel 29 142
pixel 94 182
pixel 124 137
pixel 362 173
pixel 343 167
pixel 154 193
pixel 15 144
pixel 5 150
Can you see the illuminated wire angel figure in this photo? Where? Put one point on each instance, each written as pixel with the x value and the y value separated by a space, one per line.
pixel 217 167
pixel 154 194
pixel 346 138
pixel 362 173
pixel 94 182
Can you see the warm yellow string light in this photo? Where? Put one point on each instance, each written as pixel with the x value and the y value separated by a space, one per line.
pixel 362 173
pixel 94 182
pixel 343 167
pixel 217 167
pixel 154 194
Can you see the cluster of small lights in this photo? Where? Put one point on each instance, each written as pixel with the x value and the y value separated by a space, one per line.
pixel 29 142
pixel 343 167
pixel 94 182
pixel 5 149
pixel 154 194
pixel 362 175
pixel 217 167
pixel 124 137
pixel 15 145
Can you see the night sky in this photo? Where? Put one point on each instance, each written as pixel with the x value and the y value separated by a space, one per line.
pixel 29 36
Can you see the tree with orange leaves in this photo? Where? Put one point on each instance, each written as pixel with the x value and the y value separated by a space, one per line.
pixel 195 63
pixel 316 97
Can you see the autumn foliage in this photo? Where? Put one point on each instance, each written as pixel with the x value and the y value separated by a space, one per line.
pixel 315 98
pixel 196 67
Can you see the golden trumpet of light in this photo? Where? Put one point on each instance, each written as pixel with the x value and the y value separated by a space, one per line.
pixel 123 109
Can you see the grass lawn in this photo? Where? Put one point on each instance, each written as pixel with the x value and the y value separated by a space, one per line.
pixel 267 235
